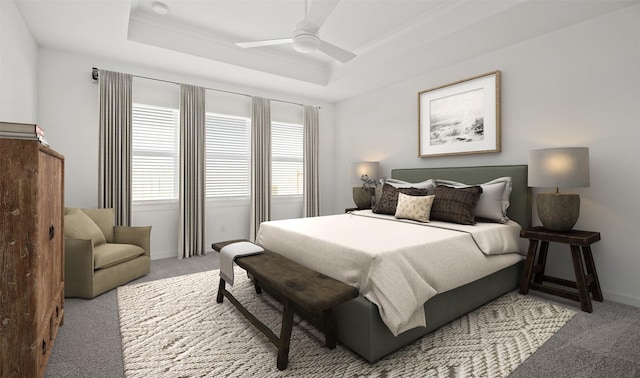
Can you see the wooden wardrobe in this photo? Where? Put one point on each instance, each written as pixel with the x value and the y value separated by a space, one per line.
pixel 31 255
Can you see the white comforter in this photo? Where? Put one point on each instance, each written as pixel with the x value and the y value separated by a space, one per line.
pixel 398 265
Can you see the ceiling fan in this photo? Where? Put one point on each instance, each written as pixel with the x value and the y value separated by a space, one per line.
pixel 305 37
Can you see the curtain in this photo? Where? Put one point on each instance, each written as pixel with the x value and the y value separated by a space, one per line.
pixel 260 164
pixel 114 171
pixel 191 231
pixel 311 194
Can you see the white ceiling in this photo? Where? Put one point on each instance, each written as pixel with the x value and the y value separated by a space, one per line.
pixel 393 39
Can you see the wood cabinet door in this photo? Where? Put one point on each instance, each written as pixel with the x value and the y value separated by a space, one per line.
pixel 50 251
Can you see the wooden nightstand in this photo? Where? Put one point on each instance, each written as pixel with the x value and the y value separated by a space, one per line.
pixel 579 241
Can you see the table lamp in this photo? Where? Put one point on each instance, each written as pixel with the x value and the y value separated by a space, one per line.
pixel 362 190
pixel 566 167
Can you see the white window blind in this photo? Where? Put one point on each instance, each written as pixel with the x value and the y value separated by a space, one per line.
pixel 228 155
pixel 228 151
pixel 154 153
pixel 286 159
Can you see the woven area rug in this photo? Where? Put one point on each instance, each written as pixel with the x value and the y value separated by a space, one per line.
pixel 174 328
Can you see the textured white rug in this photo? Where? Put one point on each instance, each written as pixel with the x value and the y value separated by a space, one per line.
pixel 175 328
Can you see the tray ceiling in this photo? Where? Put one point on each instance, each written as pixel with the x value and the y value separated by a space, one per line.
pixel 394 39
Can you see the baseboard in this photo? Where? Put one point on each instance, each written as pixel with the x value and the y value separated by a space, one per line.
pixel 157 255
pixel 635 302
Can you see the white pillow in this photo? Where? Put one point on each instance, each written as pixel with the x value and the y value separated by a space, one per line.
pixel 429 184
pixel 494 200
pixel 416 208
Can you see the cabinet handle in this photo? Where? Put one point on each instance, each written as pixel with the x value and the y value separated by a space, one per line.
pixel 52 232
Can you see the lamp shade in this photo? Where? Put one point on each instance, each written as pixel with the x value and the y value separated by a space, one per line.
pixel 369 168
pixel 559 168
pixel 566 167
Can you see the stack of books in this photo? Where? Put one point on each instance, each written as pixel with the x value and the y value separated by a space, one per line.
pixel 29 131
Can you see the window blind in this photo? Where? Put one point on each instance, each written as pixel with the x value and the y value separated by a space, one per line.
pixel 227 155
pixel 286 159
pixel 154 153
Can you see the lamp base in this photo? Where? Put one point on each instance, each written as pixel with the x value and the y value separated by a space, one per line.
pixel 558 211
pixel 362 197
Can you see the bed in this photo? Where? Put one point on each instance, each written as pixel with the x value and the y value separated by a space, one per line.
pixel 397 304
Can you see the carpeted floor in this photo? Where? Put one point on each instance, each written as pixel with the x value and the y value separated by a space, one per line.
pixel 174 328
pixel 605 343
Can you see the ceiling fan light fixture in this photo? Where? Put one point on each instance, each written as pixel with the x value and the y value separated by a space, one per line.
pixel 159 8
pixel 306 43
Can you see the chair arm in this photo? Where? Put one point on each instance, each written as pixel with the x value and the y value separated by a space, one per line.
pixel 78 267
pixel 140 236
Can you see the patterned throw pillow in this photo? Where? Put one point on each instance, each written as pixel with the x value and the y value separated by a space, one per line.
pixel 455 205
pixel 415 208
pixel 388 201
pixel 493 202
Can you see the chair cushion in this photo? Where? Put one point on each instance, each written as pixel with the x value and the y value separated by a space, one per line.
pixel 78 225
pixel 110 254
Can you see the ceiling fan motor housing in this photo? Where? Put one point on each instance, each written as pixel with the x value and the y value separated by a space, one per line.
pixel 305 42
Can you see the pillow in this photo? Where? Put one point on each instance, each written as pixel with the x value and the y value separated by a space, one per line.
pixel 429 184
pixel 493 202
pixel 415 208
pixel 78 225
pixel 457 205
pixel 388 201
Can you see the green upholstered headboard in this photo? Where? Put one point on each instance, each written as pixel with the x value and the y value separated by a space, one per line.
pixel 520 200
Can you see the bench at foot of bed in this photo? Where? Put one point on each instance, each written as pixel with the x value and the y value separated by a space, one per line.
pixel 297 287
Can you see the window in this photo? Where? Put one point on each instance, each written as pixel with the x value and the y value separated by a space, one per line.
pixel 156 156
pixel 286 159
pixel 154 153
pixel 228 151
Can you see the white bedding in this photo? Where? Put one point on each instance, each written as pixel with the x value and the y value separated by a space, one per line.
pixel 398 265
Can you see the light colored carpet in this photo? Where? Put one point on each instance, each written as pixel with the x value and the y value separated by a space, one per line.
pixel 174 328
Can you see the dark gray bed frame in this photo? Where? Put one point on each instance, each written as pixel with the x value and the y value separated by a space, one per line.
pixel 358 322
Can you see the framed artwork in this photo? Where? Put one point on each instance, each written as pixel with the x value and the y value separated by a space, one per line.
pixel 460 118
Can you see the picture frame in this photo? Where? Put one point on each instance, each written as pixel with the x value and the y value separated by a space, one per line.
pixel 460 118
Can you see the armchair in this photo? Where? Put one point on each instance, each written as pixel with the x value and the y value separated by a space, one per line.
pixel 100 256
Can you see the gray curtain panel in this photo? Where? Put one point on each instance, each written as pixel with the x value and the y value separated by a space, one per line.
pixel 114 176
pixel 260 164
pixel 311 194
pixel 191 230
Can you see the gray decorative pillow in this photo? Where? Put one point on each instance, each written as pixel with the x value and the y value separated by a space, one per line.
pixel 388 201
pixel 456 205
pixel 493 202
pixel 415 208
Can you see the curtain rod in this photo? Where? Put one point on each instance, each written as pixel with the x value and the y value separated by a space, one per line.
pixel 94 76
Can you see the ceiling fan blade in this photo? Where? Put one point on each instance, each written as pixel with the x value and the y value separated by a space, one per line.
pixel 267 42
pixel 336 52
pixel 318 13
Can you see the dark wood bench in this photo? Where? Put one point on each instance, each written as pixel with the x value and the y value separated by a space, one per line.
pixel 298 287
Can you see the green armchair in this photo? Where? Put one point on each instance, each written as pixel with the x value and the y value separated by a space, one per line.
pixel 100 256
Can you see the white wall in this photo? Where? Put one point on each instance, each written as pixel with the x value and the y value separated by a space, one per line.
pixel 578 86
pixel 18 58
pixel 574 87
pixel 68 111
